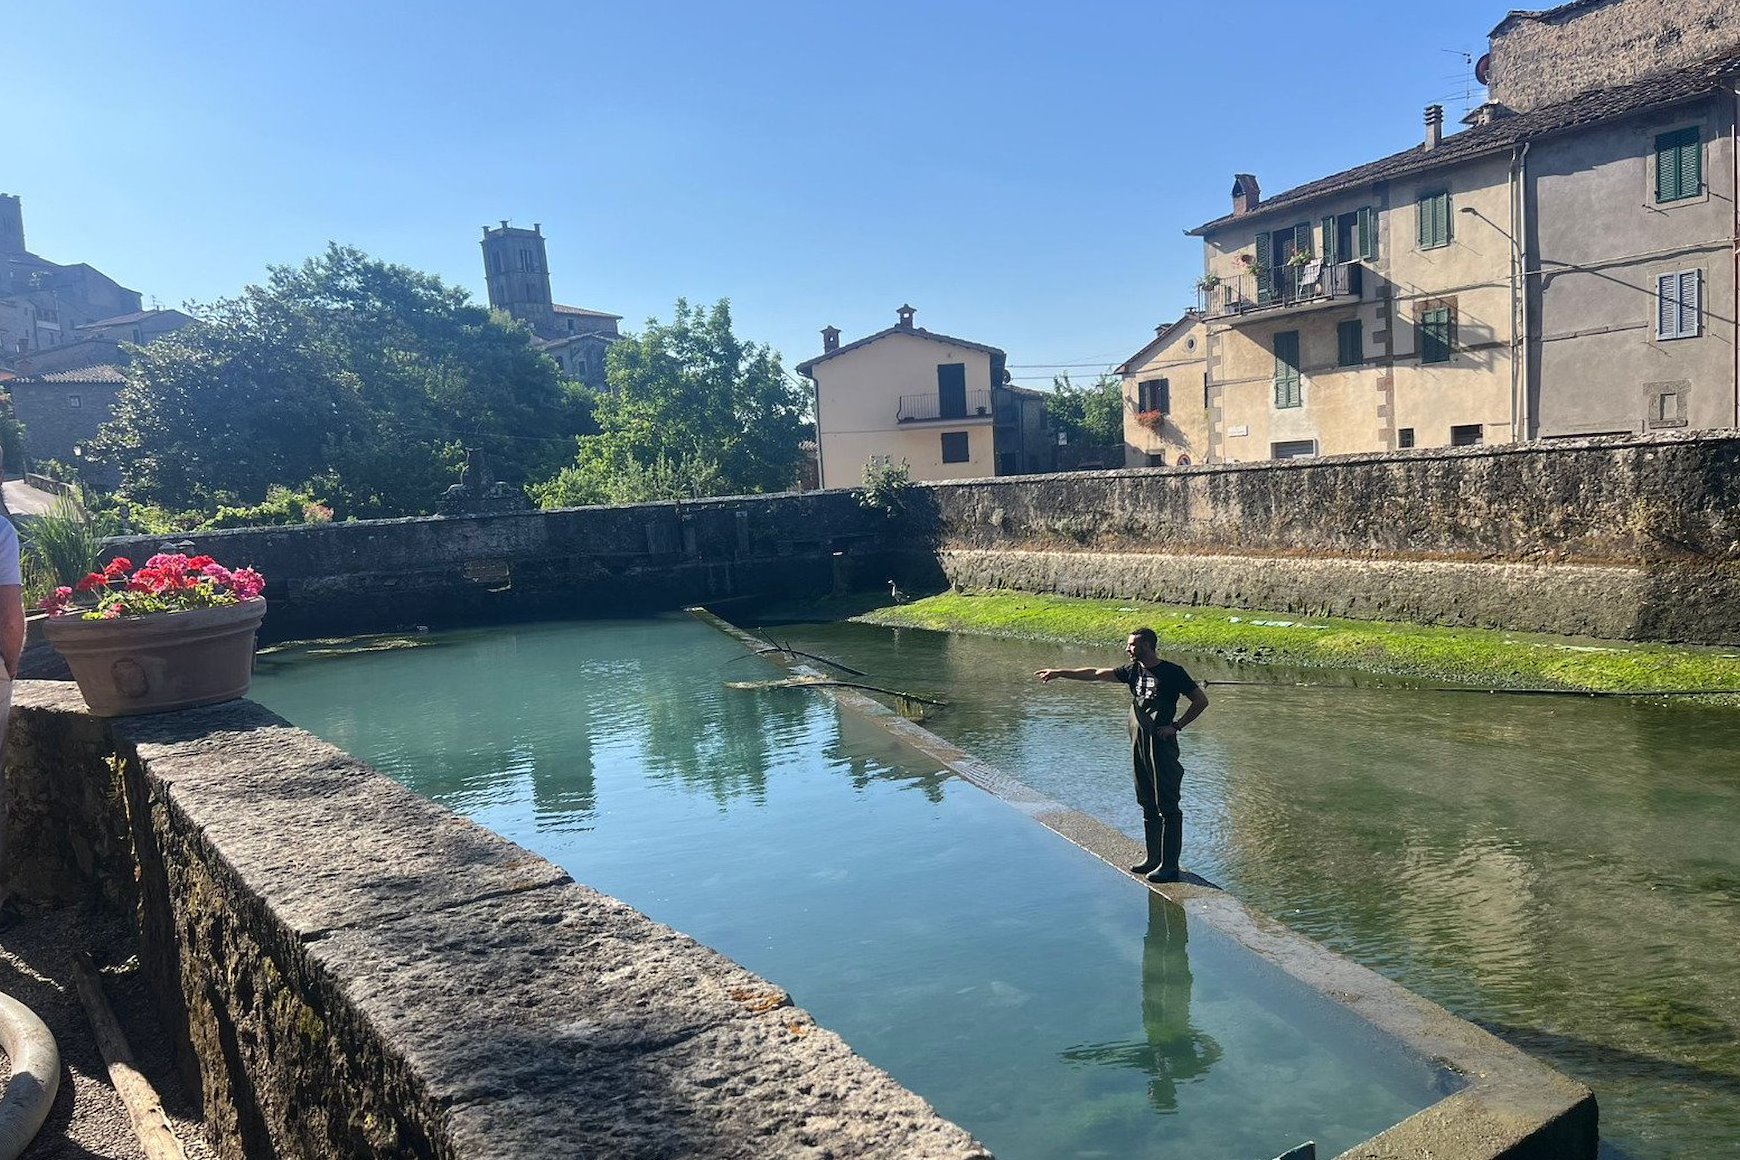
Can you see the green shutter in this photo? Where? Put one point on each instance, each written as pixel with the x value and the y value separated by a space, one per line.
pixel 1302 238
pixel 1327 253
pixel 1679 164
pixel 1350 343
pixel 1265 268
pixel 1436 336
pixel 1287 369
pixel 1433 214
pixel 1367 228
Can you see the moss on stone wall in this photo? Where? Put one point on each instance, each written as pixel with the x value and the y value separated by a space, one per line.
pixel 1462 656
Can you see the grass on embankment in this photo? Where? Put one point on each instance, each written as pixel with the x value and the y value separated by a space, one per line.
pixel 1460 656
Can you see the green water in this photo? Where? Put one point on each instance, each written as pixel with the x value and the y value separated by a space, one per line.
pixel 1049 1004
pixel 1564 872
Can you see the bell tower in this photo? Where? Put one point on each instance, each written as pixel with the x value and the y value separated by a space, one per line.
pixel 11 225
pixel 517 271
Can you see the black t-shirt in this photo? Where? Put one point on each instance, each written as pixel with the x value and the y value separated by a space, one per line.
pixel 1156 691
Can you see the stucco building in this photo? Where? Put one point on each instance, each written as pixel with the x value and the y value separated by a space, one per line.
pixel 516 267
pixel 1166 396
pixel 942 405
pixel 55 316
pixel 1563 266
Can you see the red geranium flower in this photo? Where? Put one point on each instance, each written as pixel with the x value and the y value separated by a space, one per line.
pixel 92 582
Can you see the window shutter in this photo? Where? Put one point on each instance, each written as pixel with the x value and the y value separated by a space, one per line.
pixel 1327 253
pixel 1689 304
pixel 1265 267
pixel 1667 315
pixel 1351 343
pixel 1423 214
pixel 1163 396
pixel 1443 219
pixel 1287 368
pixel 1667 170
pixel 1302 237
pixel 1691 165
pixel 1367 229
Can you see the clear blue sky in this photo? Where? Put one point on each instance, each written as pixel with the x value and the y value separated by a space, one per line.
pixel 1021 174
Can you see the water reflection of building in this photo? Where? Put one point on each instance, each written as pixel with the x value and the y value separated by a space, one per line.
pixel 1172 1050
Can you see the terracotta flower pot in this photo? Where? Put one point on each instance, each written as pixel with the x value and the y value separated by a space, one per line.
pixel 162 662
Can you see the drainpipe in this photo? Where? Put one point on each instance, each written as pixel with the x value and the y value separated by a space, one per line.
pixel 1519 360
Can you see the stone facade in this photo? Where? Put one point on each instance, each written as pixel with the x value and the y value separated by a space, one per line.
pixel 63 411
pixel 516 268
pixel 1622 538
pixel 1542 57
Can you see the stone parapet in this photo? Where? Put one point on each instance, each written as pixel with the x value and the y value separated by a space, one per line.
pixel 353 970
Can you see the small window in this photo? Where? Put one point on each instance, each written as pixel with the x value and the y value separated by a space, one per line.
pixel 1434 220
pixel 1350 343
pixel 1287 390
pixel 1156 459
pixel 1437 334
pixel 954 447
pixel 1679 165
pixel 74 402
pixel 1293 449
pixel 1678 303
pixel 1468 435
pixel 1405 438
pixel 1154 395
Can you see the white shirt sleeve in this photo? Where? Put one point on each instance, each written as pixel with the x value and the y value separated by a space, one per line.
pixel 9 573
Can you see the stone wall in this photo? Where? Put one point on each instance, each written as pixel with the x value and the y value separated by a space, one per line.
pixel 352 970
pixel 387 574
pixel 1617 536
pixel 1621 537
pixel 1542 57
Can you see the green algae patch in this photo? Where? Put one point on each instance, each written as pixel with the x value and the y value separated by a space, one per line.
pixel 1461 656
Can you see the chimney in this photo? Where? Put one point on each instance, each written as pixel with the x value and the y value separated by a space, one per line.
pixel 1434 126
pixel 905 314
pixel 1245 194
pixel 830 339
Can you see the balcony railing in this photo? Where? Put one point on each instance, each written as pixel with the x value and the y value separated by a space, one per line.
pixel 922 408
pixel 1283 286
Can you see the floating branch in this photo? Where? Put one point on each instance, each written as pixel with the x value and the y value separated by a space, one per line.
pixel 831 683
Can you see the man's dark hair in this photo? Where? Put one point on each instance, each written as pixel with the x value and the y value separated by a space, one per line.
pixel 1146 634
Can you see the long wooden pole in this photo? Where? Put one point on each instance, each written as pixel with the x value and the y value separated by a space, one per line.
pixel 156 1138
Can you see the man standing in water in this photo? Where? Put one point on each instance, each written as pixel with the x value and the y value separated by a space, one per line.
pixel 1155 686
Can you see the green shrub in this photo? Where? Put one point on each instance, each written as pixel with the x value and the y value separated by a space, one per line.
pixel 64 543
pixel 281 506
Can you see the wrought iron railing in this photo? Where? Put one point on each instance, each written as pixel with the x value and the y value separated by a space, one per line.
pixel 1287 285
pixel 919 408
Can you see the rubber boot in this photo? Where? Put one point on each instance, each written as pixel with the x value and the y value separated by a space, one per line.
pixel 1152 830
pixel 1171 846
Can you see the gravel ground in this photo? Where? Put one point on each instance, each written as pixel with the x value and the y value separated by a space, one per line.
pixel 88 1118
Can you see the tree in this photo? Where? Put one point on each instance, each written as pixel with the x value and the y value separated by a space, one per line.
pixel 689 407
pixel 1091 415
pixel 350 378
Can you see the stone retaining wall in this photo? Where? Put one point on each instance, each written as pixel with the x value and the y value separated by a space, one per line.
pixel 1615 537
pixel 376 575
pixel 353 970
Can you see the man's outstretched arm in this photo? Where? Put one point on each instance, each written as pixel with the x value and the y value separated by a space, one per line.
pixel 1077 674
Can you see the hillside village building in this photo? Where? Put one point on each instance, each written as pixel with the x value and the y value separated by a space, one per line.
pixel 942 405
pixel 1565 266
pixel 1166 397
pixel 517 270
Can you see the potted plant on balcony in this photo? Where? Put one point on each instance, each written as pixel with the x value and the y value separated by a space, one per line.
pixel 1299 259
pixel 1155 419
pixel 175 634
pixel 1208 282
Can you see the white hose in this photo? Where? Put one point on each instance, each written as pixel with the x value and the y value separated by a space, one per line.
pixel 35 1076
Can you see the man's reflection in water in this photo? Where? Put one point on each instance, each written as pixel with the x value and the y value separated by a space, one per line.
pixel 1175 1051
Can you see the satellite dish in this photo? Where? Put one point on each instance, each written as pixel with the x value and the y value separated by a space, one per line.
pixel 1483 68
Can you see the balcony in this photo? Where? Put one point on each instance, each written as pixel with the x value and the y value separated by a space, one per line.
pixel 972 407
pixel 1283 288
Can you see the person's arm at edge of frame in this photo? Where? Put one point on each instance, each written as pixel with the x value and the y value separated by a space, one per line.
pixel 1077 674
pixel 11 627
pixel 1198 702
